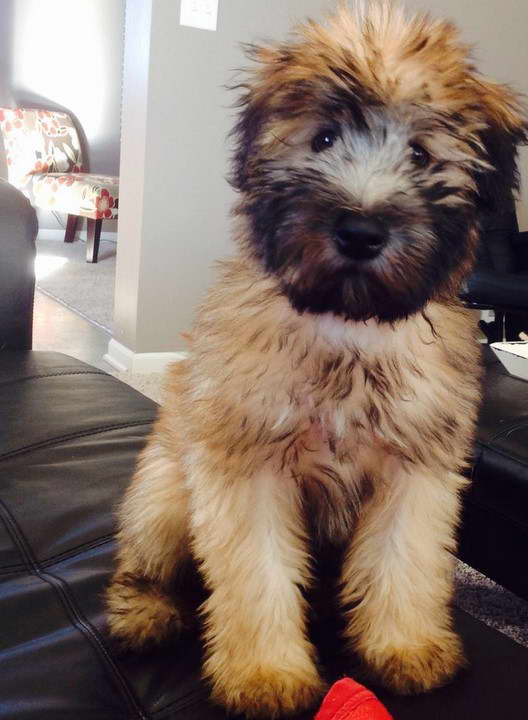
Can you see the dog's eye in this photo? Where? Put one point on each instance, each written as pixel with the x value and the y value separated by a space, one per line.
pixel 324 140
pixel 420 156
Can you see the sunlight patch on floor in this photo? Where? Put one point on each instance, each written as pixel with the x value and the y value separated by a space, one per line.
pixel 46 265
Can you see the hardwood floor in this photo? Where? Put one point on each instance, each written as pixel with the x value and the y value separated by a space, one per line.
pixel 56 327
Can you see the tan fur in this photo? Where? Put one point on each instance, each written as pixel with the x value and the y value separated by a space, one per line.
pixel 275 415
pixel 397 404
pixel 400 58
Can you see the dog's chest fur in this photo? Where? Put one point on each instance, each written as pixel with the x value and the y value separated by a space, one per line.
pixel 353 409
pixel 333 406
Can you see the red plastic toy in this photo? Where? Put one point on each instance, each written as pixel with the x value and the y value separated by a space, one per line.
pixel 348 700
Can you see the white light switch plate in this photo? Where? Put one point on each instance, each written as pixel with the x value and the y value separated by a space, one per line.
pixel 201 14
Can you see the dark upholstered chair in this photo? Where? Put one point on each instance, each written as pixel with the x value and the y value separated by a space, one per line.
pixel 500 279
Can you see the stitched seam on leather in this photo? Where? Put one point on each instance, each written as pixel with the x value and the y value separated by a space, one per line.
pixel 502 453
pixel 73 436
pixel 60 557
pixel 4 574
pixel 55 374
pixel 77 550
pixel 12 566
pixel 73 613
pixel 190 699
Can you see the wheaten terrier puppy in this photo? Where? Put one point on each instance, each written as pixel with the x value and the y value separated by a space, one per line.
pixel 332 381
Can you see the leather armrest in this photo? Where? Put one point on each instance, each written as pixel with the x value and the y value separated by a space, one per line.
pixel 506 291
pixel 18 230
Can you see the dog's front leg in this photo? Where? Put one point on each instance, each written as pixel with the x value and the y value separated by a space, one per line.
pixel 153 545
pixel 397 581
pixel 249 538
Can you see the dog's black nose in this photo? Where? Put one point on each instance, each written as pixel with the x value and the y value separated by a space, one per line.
pixel 359 237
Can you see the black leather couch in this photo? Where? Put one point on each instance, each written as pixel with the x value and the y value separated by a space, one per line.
pixel 69 435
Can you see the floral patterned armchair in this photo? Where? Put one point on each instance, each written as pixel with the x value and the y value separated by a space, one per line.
pixel 44 160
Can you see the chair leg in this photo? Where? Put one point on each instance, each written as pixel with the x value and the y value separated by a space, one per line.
pixel 71 227
pixel 93 235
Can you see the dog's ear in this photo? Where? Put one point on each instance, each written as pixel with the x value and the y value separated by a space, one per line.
pixel 506 129
pixel 254 108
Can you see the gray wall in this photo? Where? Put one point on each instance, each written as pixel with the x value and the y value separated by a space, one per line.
pixel 174 222
pixel 67 54
pixel 174 218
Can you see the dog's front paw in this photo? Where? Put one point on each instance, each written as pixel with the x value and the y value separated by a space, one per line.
pixel 140 614
pixel 268 692
pixel 417 668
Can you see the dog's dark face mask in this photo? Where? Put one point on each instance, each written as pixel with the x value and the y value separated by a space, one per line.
pixel 360 206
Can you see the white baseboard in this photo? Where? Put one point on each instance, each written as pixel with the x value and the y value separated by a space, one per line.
pixel 125 360
pixel 58 234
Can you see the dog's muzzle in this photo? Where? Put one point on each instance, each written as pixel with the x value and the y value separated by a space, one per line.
pixel 359 237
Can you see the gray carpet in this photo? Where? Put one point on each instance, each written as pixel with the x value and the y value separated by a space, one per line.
pixel 149 384
pixel 86 288
pixel 485 600
pixel 474 593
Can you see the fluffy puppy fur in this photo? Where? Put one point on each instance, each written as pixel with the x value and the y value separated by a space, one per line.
pixel 324 394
